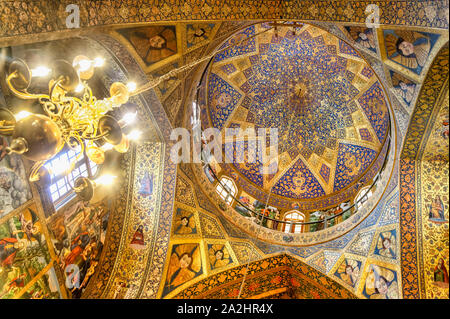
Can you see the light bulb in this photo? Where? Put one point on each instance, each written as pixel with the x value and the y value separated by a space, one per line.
pixel 98 62
pixel 21 115
pixel 129 118
pixel 131 86
pixel 40 71
pixel 107 146
pixel 134 135
pixel 106 179
pixel 79 88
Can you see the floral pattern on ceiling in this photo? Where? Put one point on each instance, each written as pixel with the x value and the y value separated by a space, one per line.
pixel 316 89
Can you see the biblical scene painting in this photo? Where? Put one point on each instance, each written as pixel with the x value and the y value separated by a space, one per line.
pixel 409 49
pixel 152 44
pixel 78 235
pixel 23 253
pixel 184 265
pixel 14 188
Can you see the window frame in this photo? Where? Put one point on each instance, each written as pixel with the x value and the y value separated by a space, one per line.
pixel 223 191
pixel 287 218
pixel 68 195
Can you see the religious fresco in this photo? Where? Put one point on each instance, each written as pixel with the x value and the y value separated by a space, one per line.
pixel 78 235
pixel 184 223
pixel 424 184
pixel 239 94
pixel 14 188
pixel 404 88
pixel 348 271
pixel 23 252
pixel 152 44
pixel 409 49
pixel 139 233
pixel 380 283
pixel 198 34
pixel 434 189
pixel 363 36
pixel 184 265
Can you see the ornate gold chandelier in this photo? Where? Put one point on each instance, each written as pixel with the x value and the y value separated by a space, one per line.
pixel 80 122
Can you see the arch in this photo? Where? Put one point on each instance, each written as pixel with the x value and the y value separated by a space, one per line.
pixel 293 216
pixel 362 196
pixel 226 188
pixel 435 83
pixel 286 274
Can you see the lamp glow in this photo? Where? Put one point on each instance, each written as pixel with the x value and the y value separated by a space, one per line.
pixel 134 135
pixel 98 62
pixel 129 118
pixel 79 88
pixel 107 146
pixel 131 86
pixel 106 179
pixel 21 115
pixel 40 71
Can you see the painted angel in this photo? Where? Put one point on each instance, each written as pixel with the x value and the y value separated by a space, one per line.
pixel 409 48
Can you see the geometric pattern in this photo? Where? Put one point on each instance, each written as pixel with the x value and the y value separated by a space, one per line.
pixel 361 244
pixel 316 96
pixel 210 227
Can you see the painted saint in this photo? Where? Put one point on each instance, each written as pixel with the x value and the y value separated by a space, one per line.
pixel 404 88
pixel 146 188
pixel 436 210
pixel 440 274
pixel 137 242
pixel 363 36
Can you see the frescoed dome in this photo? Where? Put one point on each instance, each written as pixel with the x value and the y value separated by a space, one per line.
pixel 327 103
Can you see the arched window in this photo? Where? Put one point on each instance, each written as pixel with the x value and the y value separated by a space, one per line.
pixel 362 197
pixel 293 216
pixel 228 190
pixel 60 190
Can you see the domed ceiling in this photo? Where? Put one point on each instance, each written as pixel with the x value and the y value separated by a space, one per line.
pixel 327 103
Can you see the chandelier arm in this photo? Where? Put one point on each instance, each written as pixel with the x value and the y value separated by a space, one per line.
pixel 23 95
pixel 34 175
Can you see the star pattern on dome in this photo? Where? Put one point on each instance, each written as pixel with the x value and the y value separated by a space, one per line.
pixel 328 106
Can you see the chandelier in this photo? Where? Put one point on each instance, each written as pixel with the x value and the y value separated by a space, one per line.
pixel 70 115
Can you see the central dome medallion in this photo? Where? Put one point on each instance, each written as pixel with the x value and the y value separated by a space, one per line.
pixel 326 101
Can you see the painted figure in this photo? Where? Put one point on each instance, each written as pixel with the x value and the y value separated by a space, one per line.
pixel 408 48
pixel 349 272
pixel 385 245
pixel 218 256
pixel 137 242
pixel 381 283
pixel 153 44
pixel 184 265
pixel 440 274
pixel 436 210
pixel 184 223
